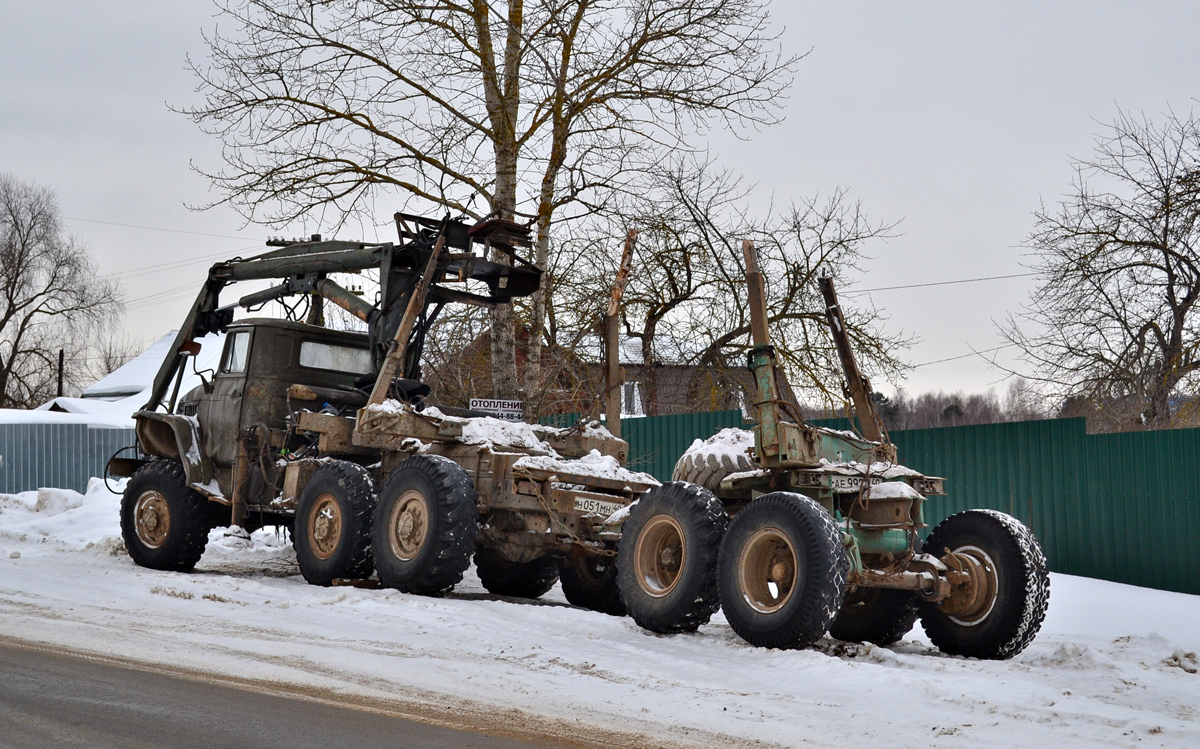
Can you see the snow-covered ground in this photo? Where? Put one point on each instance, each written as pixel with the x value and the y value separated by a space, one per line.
pixel 1114 665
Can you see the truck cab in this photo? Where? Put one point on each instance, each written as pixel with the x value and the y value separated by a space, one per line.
pixel 248 395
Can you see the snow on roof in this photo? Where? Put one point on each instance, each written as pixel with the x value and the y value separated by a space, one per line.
pixel 41 416
pixel 112 401
pixel 135 375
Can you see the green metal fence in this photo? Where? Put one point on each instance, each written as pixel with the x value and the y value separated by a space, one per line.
pixel 63 456
pixel 1121 507
pixel 656 442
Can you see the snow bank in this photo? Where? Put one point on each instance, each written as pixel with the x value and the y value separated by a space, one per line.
pixel 63 518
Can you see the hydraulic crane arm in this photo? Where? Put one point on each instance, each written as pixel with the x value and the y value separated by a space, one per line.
pixel 429 252
pixel 779 442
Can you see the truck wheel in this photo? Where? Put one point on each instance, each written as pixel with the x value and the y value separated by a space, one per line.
pixel 783 571
pixel 425 526
pixel 591 583
pixel 164 523
pixel 519 579
pixel 1000 613
pixel 707 463
pixel 667 559
pixel 875 615
pixel 333 524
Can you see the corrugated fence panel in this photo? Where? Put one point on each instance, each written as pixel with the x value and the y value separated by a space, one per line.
pixel 55 455
pixel 1121 507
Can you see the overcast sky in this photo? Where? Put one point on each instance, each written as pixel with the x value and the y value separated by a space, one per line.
pixel 954 118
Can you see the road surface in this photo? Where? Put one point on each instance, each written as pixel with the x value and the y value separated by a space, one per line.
pixel 55 698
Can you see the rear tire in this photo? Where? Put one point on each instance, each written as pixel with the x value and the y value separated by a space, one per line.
pixel 878 615
pixel 164 522
pixel 591 583
pixel 875 615
pixel 425 526
pixel 333 524
pixel 667 559
pixel 518 579
pixel 783 571
pixel 1008 560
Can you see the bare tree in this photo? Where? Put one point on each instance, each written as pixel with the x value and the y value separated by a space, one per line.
pixel 686 297
pixel 1114 321
pixel 537 103
pixel 51 297
pixel 112 350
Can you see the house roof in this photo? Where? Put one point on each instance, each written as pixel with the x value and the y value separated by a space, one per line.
pixel 112 401
pixel 666 349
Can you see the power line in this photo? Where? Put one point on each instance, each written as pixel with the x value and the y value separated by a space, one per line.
pixel 939 283
pixel 152 228
pixel 175 292
pixel 146 270
pixel 964 356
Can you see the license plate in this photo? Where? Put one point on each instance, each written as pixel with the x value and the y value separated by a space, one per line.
pixel 589 506
pixel 844 484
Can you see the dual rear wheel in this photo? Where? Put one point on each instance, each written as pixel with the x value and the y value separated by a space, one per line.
pixel 778 570
pixel 417 531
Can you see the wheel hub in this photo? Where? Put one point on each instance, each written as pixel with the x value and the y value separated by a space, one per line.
pixel 972 602
pixel 768 570
pixel 152 518
pixel 659 556
pixel 324 526
pixel 409 524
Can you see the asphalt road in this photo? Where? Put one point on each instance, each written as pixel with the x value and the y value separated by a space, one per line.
pixel 55 699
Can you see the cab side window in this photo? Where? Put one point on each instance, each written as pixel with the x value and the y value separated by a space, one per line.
pixel 235 353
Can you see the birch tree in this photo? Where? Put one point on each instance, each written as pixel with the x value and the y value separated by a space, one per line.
pixel 516 109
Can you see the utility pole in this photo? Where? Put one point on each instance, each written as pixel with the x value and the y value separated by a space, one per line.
pixel 612 334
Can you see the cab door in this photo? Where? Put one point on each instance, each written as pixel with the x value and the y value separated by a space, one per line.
pixel 220 411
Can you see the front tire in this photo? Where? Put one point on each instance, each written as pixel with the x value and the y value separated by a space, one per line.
pixel 502 577
pixel 1000 613
pixel 783 571
pixel 667 559
pixel 333 524
pixel 164 522
pixel 425 526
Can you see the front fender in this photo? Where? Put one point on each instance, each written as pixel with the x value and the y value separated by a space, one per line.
pixel 178 437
